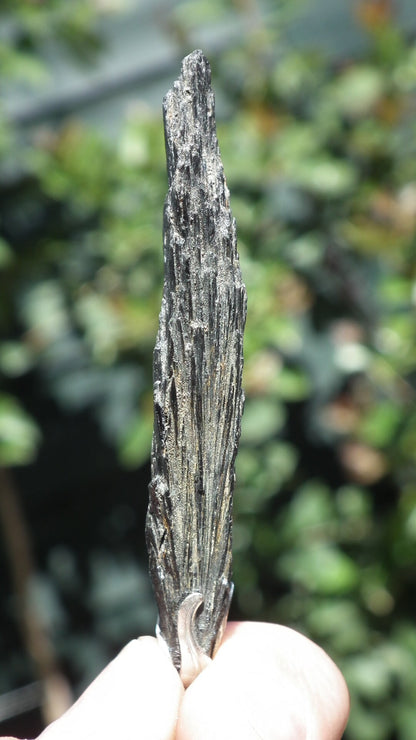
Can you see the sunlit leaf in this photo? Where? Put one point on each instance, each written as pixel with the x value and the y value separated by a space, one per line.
pixel 320 568
pixel 136 441
pixel 19 435
pixel 263 418
pixel 358 89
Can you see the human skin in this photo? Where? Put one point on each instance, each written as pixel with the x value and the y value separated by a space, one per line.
pixel 266 681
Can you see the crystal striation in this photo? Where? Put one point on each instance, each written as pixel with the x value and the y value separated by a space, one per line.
pixel 198 361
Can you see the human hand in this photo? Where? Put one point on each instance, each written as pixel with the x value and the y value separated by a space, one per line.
pixel 266 681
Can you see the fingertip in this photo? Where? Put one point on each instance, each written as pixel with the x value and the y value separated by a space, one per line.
pixel 331 691
pixel 137 695
pixel 266 681
pixel 305 666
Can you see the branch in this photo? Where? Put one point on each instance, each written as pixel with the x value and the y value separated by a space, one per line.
pixel 56 691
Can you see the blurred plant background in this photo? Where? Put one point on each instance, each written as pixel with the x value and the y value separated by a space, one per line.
pixel 316 106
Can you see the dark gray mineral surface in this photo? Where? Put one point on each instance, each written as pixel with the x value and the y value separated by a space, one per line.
pixel 198 361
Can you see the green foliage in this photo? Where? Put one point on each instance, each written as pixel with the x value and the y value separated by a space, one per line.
pixel 19 436
pixel 320 161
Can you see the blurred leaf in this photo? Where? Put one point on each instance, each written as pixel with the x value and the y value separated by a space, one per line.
pixel 263 418
pixel 358 90
pixel 329 178
pixel 22 66
pixel 305 251
pixel 405 72
pixel 76 164
pixel 367 723
pixel 320 160
pixel 293 385
pixel 136 441
pixel 101 322
pixel 15 358
pixel 19 435
pixel 380 424
pixel 319 568
pixel 6 254
pixel 296 75
pixel 370 674
pixel 311 510
pixel 328 621
pixel 45 313
pixel 189 14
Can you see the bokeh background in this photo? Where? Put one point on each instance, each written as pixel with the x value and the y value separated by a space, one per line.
pixel 316 105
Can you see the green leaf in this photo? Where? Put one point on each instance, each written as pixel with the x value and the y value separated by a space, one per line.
pixel 358 89
pixel 381 423
pixel 340 621
pixel 311 508
pixel 296 75
pixel 370 674
pixel 21 66
pixel 293 384
pixel 306 251
pixel 320 568
pixel 15 358
pixel 331 178
pixel 19 435
pixel 135 445
pixel 262 419
pixel 191 13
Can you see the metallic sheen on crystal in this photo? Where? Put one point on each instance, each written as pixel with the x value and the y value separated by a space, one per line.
pixel 198 400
